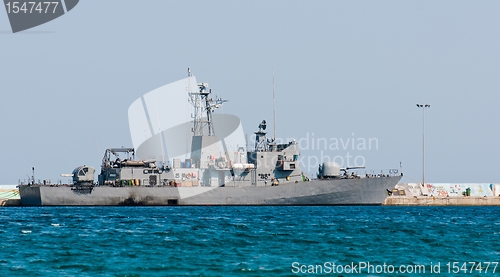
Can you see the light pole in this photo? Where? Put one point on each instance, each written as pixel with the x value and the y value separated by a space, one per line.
pixel 423 139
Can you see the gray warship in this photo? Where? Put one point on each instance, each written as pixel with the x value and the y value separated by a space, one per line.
pixel 269 174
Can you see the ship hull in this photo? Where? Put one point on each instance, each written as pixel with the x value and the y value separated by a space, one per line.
pixel 364 191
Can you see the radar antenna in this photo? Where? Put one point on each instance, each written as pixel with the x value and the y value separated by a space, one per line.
pixel 260 138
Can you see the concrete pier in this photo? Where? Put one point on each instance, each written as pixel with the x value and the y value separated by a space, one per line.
pixel 10 202
pixel 444 194
pixel 441 201
pixel 9 196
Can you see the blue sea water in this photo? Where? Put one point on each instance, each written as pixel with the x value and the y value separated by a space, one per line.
pixel 248 241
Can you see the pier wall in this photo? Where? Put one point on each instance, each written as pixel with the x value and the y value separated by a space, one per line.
pixel 441 201
pixel 444 194
pixel 9 196
pixel 10 202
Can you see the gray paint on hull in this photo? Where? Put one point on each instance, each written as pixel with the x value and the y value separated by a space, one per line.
pixel 364 191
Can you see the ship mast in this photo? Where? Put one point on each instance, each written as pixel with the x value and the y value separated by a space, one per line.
pixel 204 136
pixel 204 106
pixel 202 112
pixel 274 110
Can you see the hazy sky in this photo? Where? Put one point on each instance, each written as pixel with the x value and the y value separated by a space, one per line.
pixel 343 70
